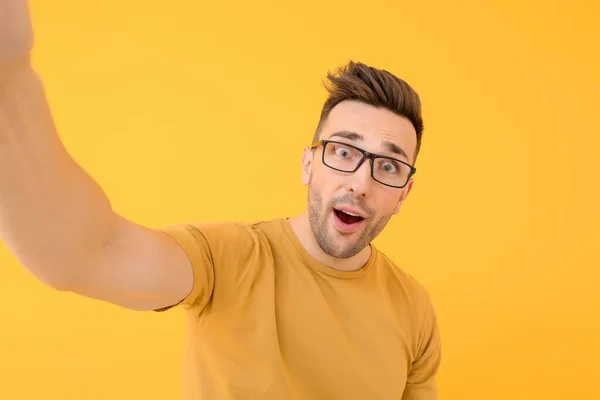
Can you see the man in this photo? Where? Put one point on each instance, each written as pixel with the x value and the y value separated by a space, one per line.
pixel 292 308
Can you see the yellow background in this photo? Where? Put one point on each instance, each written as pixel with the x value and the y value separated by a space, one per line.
pixel 193 110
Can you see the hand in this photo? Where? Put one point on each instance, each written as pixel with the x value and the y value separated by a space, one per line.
pixel 16 33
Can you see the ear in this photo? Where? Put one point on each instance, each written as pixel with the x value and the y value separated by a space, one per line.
pixel 404 195
pixel 307 158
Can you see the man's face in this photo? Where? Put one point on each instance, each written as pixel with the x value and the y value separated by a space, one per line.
pixel 375 130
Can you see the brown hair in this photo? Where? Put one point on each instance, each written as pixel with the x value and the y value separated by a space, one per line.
pixel 376 87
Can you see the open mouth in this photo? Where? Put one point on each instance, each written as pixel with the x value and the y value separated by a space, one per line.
pixel 347 221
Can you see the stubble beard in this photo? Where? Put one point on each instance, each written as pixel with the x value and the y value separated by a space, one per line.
pixel 318 217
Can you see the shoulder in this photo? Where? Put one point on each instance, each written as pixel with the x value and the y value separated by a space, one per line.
pixel 236 227
pixel 406 288
pixel 222 245
pixel 213 232
pixel 224 234
pixel 223 255
pixel 393 271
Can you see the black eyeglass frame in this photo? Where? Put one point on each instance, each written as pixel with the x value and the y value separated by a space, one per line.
pixel 365 155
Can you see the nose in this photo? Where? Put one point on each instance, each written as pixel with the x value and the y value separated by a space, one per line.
pixel 360 181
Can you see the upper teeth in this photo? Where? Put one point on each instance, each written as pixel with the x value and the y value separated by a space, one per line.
pixel 349 213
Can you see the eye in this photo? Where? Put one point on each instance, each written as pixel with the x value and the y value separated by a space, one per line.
pixel 342 152
pixel 389 167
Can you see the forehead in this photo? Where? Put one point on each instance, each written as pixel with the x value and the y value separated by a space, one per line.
pixel 376 126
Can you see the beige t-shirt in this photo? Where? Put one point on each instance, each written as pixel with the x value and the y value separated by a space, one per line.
pixel 265 320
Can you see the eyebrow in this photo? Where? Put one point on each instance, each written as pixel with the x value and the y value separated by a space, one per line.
pixel 356 137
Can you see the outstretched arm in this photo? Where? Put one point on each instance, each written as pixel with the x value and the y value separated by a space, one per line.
pixel 54 218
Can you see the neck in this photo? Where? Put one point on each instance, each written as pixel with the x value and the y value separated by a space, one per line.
pixel 301 227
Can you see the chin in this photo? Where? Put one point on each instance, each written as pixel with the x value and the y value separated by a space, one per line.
pixel 342 246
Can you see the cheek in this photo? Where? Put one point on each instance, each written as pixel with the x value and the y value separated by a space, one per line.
pixel 325 182
pixel 387 202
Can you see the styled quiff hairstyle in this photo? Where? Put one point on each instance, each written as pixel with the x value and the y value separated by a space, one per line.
pixel 376 87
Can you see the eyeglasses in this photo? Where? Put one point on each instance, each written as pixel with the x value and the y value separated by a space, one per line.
pixel 345 157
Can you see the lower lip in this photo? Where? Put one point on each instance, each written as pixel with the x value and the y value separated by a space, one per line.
pixel 344 227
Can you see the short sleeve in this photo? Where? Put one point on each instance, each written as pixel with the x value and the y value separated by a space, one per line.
pixel 421 381
pixel 221 255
